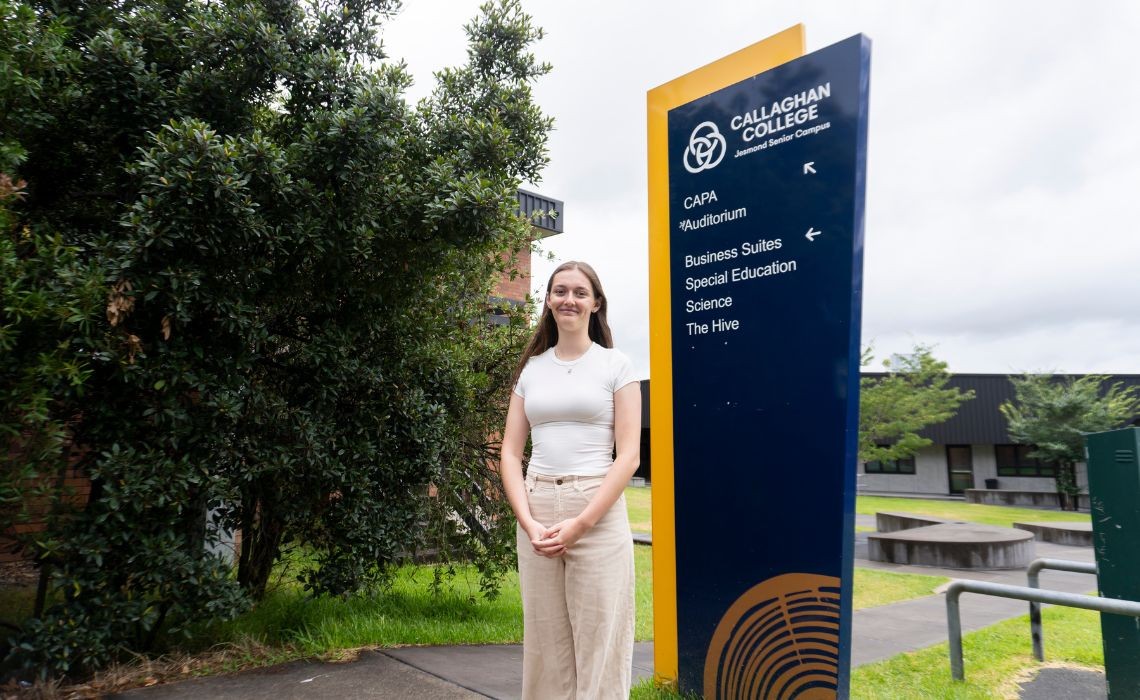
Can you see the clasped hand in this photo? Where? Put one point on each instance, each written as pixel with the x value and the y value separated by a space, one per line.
pixel 554 540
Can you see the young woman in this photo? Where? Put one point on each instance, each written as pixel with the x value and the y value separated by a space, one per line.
pixel 577 397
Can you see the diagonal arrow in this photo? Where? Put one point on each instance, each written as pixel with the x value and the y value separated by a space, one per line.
pixel 808 168
pixel 811 234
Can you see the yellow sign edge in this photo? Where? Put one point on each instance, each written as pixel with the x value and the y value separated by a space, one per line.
pixel 745 63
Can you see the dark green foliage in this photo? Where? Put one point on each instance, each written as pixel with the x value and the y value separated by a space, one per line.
pixel 48 299
pixel 895 407
pixel 294 264
pixel 1053 413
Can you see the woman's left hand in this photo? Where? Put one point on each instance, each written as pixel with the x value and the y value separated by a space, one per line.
pixel 566 533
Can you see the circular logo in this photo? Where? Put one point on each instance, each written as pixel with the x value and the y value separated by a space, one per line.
pixel 706 148
pixel 779 641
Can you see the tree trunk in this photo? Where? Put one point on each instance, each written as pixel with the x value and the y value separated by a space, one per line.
pixel 260 542
pixel 1067 489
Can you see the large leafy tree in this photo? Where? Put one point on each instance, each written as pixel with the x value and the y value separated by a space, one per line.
pixel 1053 413
pixel 912 394
pixel 295 263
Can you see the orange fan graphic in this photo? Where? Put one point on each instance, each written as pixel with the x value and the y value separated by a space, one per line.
pixel 778 641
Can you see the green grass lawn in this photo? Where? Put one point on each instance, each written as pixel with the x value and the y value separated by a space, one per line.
pixel 406 614
pixel 874 588
pixel 993 657
pixel 1003 516
pixel 646 689
pixel 643 592
pixel 637 502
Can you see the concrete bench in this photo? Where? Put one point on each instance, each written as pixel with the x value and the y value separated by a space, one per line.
pixel 954 546
pixel 1072 534
pixel 887 521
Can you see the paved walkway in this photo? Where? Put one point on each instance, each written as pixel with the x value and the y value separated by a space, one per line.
pixel 495 671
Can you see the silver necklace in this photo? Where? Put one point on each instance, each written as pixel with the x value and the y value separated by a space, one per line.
pixel 570 367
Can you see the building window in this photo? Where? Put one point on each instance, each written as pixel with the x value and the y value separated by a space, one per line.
pixel 904 465
pixel 1014 460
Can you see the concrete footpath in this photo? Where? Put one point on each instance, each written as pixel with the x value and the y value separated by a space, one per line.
pixel 496 671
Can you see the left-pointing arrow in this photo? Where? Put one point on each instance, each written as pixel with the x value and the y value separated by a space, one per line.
pixel 812 233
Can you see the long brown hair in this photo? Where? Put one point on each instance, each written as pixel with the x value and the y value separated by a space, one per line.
pixel 546 334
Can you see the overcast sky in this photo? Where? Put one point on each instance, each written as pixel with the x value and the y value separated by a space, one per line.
pixel 1003 197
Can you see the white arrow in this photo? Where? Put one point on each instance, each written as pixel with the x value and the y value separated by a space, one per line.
pixel 808 168
pixel 812 233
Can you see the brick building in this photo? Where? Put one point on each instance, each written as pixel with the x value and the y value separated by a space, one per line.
pixel 547 217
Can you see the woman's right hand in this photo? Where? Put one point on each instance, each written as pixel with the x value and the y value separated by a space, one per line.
pixel 538 533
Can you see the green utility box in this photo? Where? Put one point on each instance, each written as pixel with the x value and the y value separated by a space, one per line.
pixel 1114 493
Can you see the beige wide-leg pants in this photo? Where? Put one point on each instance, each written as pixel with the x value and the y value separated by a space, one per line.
pixel 577 608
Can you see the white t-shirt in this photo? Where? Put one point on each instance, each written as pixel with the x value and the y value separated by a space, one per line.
pixel 570 407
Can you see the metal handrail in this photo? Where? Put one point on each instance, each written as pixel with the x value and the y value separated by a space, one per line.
pixel 1073 600
pixel 1035 629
